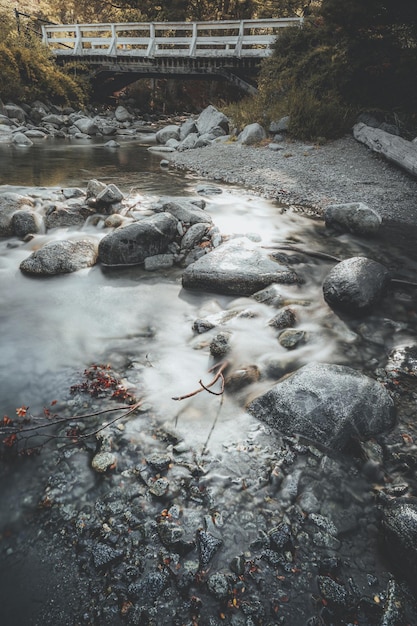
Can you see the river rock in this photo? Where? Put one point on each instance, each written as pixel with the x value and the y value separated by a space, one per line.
pixel 194 235
pixel 63 216
pixel 187 128
pixel 111 194
pixel 94 188
pixel 61 257
pixel 236 267
pixel 26 222
pixel 184 211
pixel 103 461
pixel 251 134
pixel 210 118
pixel 353 217
pixel 87 126
pixel 188 143
pixel 355 285
pixel 399 533
pixel 11 202
pixel 56 120
pixel 20 139
pixel 285 318
pixel 168 132
pixel 122 114
pixel 131 244
pixel 15 112
pixel 328 404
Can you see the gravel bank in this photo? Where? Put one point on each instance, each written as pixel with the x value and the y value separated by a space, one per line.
pixel 310 176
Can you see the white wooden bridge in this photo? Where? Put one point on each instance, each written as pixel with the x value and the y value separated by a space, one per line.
pixel 230 49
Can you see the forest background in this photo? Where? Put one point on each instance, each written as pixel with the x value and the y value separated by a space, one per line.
pixel 349 57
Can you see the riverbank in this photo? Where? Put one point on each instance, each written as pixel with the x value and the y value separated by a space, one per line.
pixel 309 176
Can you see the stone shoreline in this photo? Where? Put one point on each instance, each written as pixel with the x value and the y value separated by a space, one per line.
pixel 309 176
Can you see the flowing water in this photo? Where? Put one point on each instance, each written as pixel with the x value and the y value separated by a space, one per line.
pixel 141 322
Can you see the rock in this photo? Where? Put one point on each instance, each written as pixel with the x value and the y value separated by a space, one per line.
pixel 63 216
pixel 104 556
pixel 283 319
pixel 280 126
pixel 159 487
pixel 112 144
pixel 327 404
pixel 168 132
pixel 334 594
pixel 251 134
pixel 26 222
pixel 188 143
pixel 14 112
pixel 218 585
pixel 189 127
pixel 402 360
pixel 36 134
pixel 210 118
pixel 291 338
pixel 220 344
pixel 55 120
pixel 271 295
pixel 61 257
pixel 150 587
pixel 131 244
pixel 194 235
pixel 236 267
pixel 275 147
pixel 208 190
pixel 110 195
pixel 354 217
pixel 122 114
pixel 103 461
pixel 399 534
pixel 207 545
pixel 86 126
pixel 184 212
pixel 11 202
pixel 158 262
pixel 355 285
pixel 242 377
pixel 20 139
pixel 94 188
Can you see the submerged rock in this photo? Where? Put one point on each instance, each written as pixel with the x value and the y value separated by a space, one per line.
pixel 399 533
pixel 328 404
pixel 236 267
pixel 61 257
pixel 355 285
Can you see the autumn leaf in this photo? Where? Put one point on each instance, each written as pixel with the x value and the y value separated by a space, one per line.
pixel 21 411
pixel 10 440
pixel 7 421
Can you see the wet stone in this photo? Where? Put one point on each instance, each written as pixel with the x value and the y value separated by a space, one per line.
pixel 270 295
pixel 335 594
pixel 103 461
pixel 159 462
pixel 284 319
pixel 280 537
pixel 207 547
pixel 150 587
pixel 220 344
pixel 242 377
pixel 291 338
pixel 160 487
pixel 104 555
pixel 218 585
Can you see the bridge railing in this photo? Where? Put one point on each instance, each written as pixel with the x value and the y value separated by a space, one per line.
pixel 245 38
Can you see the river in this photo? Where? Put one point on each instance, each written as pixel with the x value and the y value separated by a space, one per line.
pixel 141 323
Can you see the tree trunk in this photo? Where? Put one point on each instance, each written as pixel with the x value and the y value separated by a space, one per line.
pixel 396 149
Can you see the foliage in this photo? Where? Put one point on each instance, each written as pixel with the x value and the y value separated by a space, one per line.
pixel 28 72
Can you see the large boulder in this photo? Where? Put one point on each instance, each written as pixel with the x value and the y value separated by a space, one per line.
pixel 122 114
pixel 25 222
pixel 87 126
pixel 355 285
pixel 10 202
pixel 168 132
pixel 251 134
pixel 210 118
pixel 20 139
pixel 14 112
pixel 353 217
pixel 328 404
pixel 131 244
pixel 61 257
pixel 236 267
pixel 60 215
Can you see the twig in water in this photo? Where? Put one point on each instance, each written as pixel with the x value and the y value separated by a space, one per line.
pixel 220 367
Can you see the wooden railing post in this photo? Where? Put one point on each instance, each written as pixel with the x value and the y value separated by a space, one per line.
pixel 151 45
pixel 193 44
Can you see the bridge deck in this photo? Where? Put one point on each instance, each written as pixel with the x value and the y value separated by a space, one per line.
pixel 234 39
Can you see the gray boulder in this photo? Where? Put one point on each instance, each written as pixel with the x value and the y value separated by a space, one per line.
pixel 11 202
pixel 131 244
pixel 168 132
pixel 109 195
pixel 328 404
pixel 194 235
pixel 187 128
pixel 122 114
pixel 184 212
pixel 56 120
pixel 86 126
pixel 280 126
pixel 26 222
pixel 189 142
pixel 236 267
pixel 94 188
pixel 355 285
pixel 353 217
pixel 210 118
pixel 64 216
pixel 20 139
pixel 61 257
pixel 14 112
pixel 251 134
